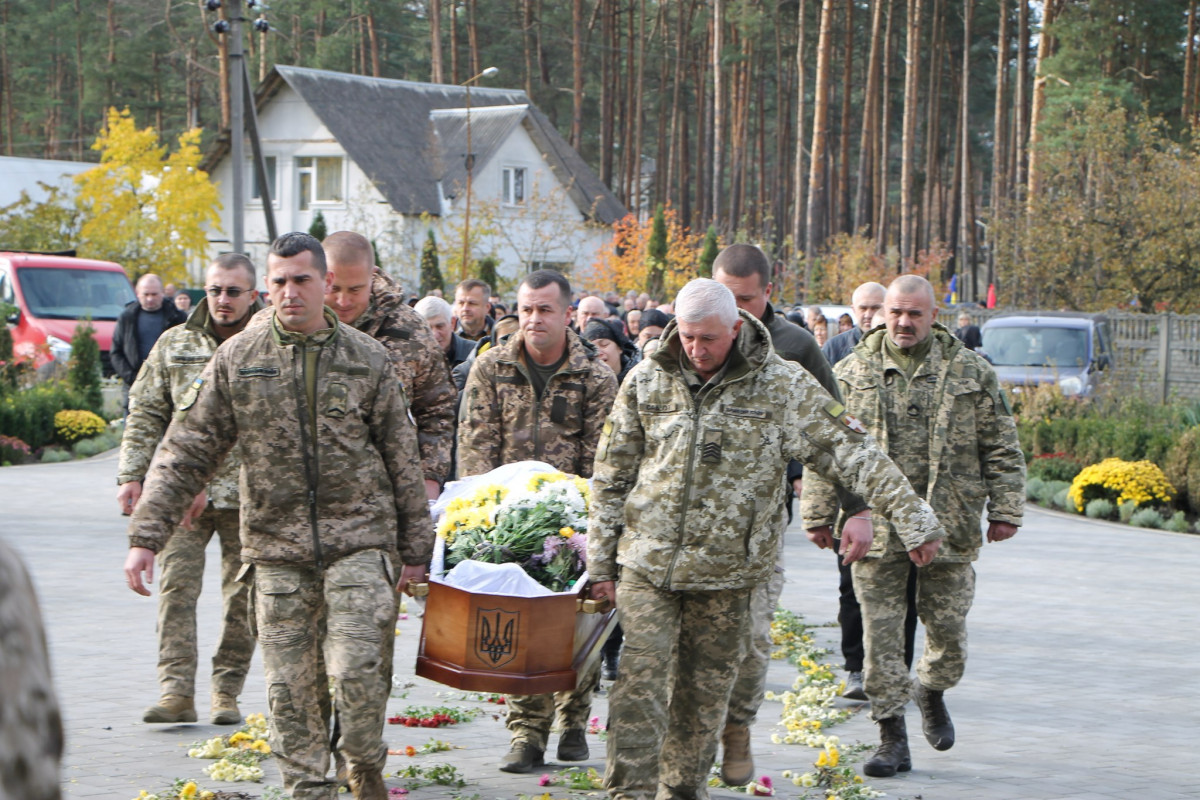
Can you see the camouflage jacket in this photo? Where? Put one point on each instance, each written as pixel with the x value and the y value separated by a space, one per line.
pixel 688 489
pixel 177 359
pixel 31 728
pixel 310 493
pixel 421 367
pixel 502 422
pixel 972 454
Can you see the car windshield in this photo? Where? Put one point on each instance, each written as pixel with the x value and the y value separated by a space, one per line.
pixel 1036 346
pixel 60 293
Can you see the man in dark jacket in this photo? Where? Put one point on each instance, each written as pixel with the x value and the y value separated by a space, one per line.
pixel 745 270
pixel 138 328
pixel 866 301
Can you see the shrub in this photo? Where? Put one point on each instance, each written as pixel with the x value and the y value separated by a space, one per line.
pixel 1100 509
pixel 1054 467
pixel 14 451
pixel 73 425
pixel 1049 490
pixel 1146 518
pixel 1182 467
pixel 1062 500
pixel 1138 481
pixel 86 448
pixel 1125 510
pixel 1033 488
pixel 84 373
pixel 1178 523
pixel 52 455
pixel 28 414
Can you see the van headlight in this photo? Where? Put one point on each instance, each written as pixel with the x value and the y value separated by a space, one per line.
pixel 1071 385
pixel 59 349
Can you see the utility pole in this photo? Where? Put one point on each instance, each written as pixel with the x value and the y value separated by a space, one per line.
pixel 470 164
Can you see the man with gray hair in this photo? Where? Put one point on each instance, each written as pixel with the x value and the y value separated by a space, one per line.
pixel 590 308
pixel 440 316
pixel 697 445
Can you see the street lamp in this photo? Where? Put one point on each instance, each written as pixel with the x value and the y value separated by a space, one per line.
pixel 470 164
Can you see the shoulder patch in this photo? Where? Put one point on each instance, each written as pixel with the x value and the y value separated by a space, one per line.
pixel 1004 401
pixel 188 398
pixel 838 411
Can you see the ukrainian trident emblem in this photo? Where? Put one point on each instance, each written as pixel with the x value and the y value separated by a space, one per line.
pixel 496 635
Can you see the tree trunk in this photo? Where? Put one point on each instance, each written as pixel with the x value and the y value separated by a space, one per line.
pixel 577 74
pixel 1189 63
pixel 473 38
pixel 1017 152
pixel 908 136
pixel 373 41
pixel 799 207
pixel 1046 49
pixel 843 181
pixel 967 219
pixel 1000 118
pixel 607 106
pixel 816 175
pixel 638 114
pixel 718 112
pixel 870 130
pixel 885 125
pixel 526 44
pixel 933 130
pixel 454 72
pixel 436 74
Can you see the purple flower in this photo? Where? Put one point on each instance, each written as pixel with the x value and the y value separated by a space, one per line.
pixel 578 543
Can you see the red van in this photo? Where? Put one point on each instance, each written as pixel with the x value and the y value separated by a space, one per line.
pixel 52 294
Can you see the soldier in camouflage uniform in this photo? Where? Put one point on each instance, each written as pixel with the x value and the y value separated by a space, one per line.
pixel 940 413
pixel 543 395
pixel 331 493
pixel 177 359
pixel 31 733
pixel 370 301
pixel 686 519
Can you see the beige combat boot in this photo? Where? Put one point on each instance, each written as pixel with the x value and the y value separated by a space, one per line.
pixel 366 783
pixel 171 708
pixel 737 764
pixel 225 709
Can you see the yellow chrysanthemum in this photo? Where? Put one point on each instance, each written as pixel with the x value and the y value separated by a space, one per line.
pixel 188 791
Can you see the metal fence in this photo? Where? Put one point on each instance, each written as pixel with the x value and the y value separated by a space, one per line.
pixel 1157 355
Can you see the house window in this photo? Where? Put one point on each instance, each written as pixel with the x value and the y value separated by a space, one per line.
pixel 272 181
pixel 319 180
pixel 514 185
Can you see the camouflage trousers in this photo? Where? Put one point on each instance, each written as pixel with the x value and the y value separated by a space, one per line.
pixel 751 683
pixel 531 716
pixel 681 657
pixel 345 615
pixel 181 567
pixel 945 591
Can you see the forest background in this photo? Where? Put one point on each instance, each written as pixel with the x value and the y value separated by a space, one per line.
pixel 1042 147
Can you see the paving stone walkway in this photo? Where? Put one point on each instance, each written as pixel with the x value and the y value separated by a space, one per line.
pixel 1082 682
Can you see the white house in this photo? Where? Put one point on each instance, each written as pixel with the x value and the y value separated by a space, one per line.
pixel 32 175
pixel 388 159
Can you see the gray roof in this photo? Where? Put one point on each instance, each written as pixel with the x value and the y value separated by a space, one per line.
pixel 26 174
pixel 388 128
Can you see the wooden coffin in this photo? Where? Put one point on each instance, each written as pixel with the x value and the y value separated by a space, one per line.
pixel 510 645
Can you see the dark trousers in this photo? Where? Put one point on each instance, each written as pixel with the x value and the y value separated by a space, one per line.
pixel 850 616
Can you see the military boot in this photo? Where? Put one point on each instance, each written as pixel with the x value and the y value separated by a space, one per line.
pixel 572 745
pixel 935 719
pixel 854 687
pixel 171 708
pixel 522 758
pixel 737 763
pixel 892 754
pixel 366 783
pixel 225 709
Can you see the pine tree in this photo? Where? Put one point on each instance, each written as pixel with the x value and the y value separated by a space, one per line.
pixel 487 271
pixel 656 255
pixel 431 273
pixel 84 371
pixel 318 230
pixel 709 253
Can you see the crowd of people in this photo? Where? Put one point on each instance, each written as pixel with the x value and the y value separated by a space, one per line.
pixel 345 405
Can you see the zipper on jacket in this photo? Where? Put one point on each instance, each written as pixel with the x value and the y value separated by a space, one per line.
pixel 310 459
pixel 687 488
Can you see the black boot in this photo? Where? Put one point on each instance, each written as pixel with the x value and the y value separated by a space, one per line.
pixel 892 755
pixel 935 719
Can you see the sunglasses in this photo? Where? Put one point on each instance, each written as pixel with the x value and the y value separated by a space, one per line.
pixel 232 292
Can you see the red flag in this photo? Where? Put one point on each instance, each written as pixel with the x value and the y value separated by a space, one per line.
pixel 991 300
